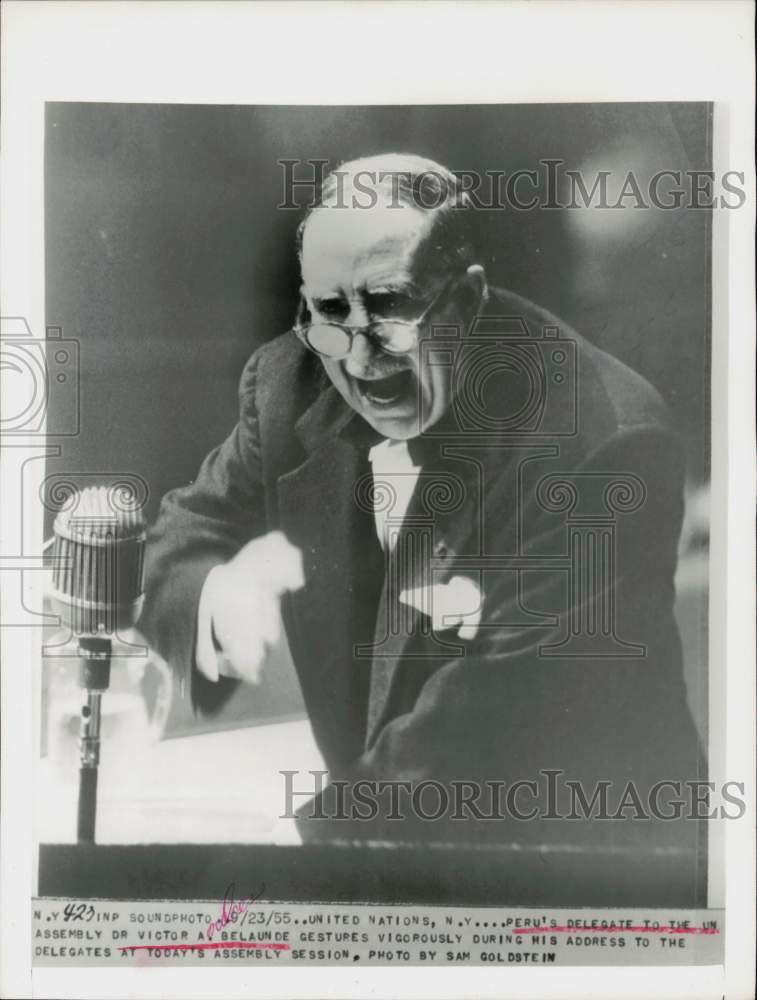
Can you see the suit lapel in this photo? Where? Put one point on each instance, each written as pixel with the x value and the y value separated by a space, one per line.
pixel 442 521
pixel 315 505
pixel 318 514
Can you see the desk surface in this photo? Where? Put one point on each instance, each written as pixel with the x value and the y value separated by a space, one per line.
pixel 507 875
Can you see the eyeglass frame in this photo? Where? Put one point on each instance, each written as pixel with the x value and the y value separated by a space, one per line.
pixel 302 330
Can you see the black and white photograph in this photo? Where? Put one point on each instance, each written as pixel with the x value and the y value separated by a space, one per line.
pixel 367 545
pixel 402 517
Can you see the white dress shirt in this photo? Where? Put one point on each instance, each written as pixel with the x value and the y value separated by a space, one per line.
pixel 394 479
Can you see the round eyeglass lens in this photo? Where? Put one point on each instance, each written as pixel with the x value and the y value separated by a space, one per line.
pixel 396 338
pixel 328 339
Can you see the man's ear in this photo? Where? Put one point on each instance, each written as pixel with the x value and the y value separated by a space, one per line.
pixel 473 291
pixel 303 315
pixel 478 289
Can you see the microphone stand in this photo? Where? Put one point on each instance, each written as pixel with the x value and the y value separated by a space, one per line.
pixel 94 677
pixel 97 589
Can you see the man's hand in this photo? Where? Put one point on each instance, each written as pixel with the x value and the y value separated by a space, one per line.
pixel 239 617
pixel 457 604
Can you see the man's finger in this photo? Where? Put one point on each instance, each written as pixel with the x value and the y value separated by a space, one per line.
pixel 457 603
pixel 267 618
pixel 246 658
pixel 226 668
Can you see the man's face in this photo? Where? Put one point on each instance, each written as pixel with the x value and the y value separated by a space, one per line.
pixel 358 266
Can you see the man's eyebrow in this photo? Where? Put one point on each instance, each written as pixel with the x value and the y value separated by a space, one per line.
pixel 328 297
pixel 402 286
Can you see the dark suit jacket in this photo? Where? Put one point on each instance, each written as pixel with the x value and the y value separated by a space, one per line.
pixel 563 503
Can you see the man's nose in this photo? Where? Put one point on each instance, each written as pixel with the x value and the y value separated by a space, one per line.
pixel 357 317
pixel 362 355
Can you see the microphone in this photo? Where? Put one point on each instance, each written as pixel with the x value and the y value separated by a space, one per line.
pixel 98 562
pixel 97 570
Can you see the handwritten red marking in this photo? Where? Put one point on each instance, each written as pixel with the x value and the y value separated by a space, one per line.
pixel 231 909
pixel 614 930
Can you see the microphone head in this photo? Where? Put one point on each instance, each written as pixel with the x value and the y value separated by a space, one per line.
pixel 98 561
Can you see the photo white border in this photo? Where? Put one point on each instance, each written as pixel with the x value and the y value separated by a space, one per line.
pixel 442 53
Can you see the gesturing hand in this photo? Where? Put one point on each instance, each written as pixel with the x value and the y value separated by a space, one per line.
pixel 239 617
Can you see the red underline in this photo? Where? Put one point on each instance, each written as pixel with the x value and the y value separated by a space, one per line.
pixel 275 946
pixel 612 930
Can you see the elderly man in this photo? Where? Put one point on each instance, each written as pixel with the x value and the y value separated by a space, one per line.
pixel 467 518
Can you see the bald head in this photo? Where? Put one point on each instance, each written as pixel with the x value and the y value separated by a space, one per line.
pixel 387 245
pixel 401 183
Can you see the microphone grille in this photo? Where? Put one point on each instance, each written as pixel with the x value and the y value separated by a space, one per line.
pixel 98 559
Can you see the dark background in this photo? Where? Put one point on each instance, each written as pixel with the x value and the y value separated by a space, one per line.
pixel 168 259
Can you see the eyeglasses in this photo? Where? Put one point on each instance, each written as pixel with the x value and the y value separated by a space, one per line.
pixel 393 336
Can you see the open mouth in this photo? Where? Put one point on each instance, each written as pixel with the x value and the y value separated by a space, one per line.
pixel 386 391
